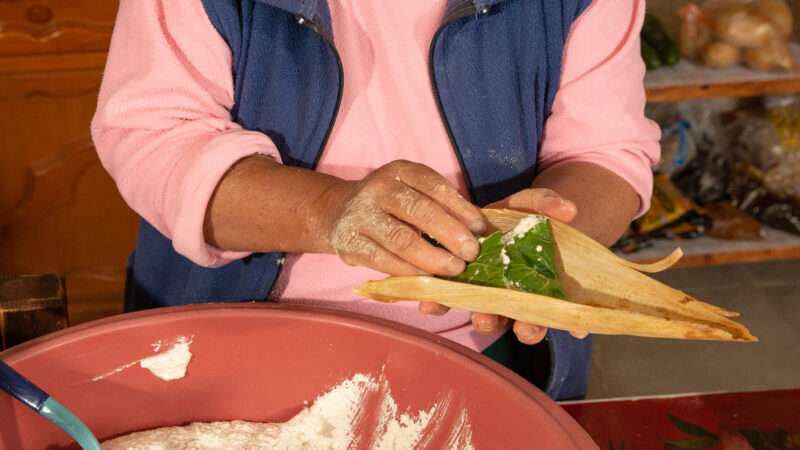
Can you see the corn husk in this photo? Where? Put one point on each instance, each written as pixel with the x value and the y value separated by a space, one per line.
pixel 605 294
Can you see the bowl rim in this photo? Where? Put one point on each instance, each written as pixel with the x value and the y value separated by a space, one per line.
pixel 569 427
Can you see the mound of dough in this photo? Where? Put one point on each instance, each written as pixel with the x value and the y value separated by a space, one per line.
pixel 203 436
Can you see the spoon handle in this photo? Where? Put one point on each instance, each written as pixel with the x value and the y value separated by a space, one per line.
pixel 23 390
pixel 61 416
pixel 38 400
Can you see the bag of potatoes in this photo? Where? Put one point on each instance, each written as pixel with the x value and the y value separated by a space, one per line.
pixel 722 33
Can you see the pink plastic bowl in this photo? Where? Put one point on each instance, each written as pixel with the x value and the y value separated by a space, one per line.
pixel 260 363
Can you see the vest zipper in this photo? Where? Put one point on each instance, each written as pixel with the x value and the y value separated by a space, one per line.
pixel 313 27
pixel 467 8
pixel 463 10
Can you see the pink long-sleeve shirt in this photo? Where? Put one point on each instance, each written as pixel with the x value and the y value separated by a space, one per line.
pixel 163 127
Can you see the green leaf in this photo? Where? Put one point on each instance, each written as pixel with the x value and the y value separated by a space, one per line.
pixel 532 265
pixel 487 269
pixel 699 443
pixel 526 278
pixel 690 428
pixel 525 262
pixel 534 248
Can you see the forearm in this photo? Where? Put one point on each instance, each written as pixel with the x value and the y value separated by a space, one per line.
pixel 263 206
pixel 606 203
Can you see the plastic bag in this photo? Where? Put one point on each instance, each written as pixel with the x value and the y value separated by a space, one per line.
pixel 706 120
pixel 777 12
pixel 721 54
pixel 695 33
pixel 677 148
pixel 671 216
pixel 748 193
pixel 668 206
pixel 775 55
pixel 704 176
pixel 722 33
pixel 769 140
pixel 739 25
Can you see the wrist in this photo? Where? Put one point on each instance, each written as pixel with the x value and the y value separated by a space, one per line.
pixel 326 211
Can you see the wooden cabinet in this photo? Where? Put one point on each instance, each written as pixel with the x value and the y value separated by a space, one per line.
pixel 44 27
pixel 59 209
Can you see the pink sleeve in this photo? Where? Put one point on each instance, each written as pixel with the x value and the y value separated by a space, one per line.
pixel 163 128
pixel 598 112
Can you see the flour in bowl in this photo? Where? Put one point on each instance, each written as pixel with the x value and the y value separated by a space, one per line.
pixel 168 365
pixel 171 364
pixel 328 424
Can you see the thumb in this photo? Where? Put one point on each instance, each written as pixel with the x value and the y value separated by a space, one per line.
pixel 541 201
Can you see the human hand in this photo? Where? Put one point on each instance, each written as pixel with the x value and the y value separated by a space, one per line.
pixel 378 222
pixel 540 201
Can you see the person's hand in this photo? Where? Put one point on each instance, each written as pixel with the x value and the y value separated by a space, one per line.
pixel 540 201
pixel 378 222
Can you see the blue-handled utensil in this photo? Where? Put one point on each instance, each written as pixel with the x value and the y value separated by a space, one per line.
pixel 36 399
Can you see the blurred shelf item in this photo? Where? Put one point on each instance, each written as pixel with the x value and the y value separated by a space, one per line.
pixel 31 306
pixel 687 80
pixel 706 251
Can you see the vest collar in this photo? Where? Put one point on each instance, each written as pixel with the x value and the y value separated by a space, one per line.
pixel 462 8
pixel 316 14
pixel 313 13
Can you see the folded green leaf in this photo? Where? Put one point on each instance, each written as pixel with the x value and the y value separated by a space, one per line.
pixel 487 269
pixel 532 266
pixel 522 259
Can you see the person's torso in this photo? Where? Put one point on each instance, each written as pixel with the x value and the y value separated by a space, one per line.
pixel 492 68
pixel 388 112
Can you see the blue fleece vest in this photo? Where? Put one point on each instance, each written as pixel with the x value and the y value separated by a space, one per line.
pixel 495 67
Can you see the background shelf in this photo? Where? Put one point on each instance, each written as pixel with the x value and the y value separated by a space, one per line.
pixel 705 251
pixel 686 81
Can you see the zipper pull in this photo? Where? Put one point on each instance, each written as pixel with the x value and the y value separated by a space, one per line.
pixel 308 23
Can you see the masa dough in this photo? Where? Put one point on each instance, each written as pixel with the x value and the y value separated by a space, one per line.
pixel 328 424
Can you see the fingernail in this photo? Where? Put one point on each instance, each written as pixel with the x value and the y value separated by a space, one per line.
pixel 470 249
pixel 440 310
pixel 429 308
pixel 551 196
pixel 567 204
pixel 455 265
pixel 580 334
pixel 487 323
pixel 477 227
